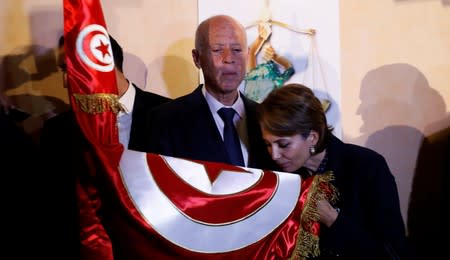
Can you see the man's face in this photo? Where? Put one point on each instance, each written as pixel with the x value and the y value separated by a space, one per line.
pixel 223 56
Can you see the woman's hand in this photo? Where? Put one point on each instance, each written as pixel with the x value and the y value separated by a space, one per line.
pixel 327 213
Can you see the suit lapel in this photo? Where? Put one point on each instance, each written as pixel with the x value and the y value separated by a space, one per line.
pixel 257 151
pixel 202 126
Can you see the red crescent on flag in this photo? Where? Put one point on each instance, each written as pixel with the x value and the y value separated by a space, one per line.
pixel 93 39
pixel 94 48
pixel 208 208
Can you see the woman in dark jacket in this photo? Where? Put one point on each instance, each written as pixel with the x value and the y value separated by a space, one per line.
pixel 365 222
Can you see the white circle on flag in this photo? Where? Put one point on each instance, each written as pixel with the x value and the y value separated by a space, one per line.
pixel 94 48
pixel 157 210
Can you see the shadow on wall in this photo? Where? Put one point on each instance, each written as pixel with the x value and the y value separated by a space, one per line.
pixel 135 70
pixel 29 74
pixel 33 83
pixel 180 76
pixel 113 11
pixel 397 105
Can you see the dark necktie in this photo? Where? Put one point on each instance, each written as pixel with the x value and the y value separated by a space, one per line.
pixel 230 136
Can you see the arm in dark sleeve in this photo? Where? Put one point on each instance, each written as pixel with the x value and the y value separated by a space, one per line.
pixel 376 231
pixel 158 138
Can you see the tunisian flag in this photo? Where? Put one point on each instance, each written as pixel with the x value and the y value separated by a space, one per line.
pixel 148 206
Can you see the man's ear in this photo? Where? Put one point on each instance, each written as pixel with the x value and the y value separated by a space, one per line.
pixel 196 58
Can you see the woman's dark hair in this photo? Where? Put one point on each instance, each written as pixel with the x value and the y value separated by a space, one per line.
pixel 294 109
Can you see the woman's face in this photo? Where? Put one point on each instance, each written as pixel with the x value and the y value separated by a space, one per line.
pixel 289 152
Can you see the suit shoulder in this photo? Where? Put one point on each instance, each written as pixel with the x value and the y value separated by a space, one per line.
pixel 248 102
pixel 364 155
pixel 151 98
pixel 374 163
pixel 363 152
pixel 178 106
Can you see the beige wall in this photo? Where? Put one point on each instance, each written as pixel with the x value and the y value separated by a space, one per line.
pixel 395 65
pixel 395 80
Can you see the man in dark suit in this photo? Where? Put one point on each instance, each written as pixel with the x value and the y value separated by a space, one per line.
pixel 190 126
pixel 68 159
pixel 135 101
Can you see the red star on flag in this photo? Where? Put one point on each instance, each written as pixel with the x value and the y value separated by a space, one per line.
pixel 215 169
pixel 103 48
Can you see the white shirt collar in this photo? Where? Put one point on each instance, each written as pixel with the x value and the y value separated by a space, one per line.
pixel 215 105
pixel 127 99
